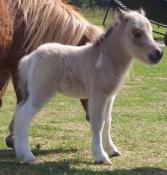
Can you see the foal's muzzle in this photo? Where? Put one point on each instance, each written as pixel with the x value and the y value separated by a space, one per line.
pixel 155 56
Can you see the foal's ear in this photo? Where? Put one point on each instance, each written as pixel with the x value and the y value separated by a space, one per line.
pixel 141 11
pixel 122 15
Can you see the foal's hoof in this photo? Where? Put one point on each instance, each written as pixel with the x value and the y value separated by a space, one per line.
pixel 31 162
pixel 106 162
pixel 10 141
pixel 115 154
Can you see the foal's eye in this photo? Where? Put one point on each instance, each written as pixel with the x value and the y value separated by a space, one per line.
pixel 137 33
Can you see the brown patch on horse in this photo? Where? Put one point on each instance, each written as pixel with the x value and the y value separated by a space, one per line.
pixel 6 36
pixel 6 28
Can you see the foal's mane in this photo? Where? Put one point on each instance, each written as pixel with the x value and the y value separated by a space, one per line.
pixel 54 20
pixel 105 35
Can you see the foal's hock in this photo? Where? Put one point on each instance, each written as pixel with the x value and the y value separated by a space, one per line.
pixel 94 72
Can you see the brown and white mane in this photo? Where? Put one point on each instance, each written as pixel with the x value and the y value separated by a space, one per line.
pixel 54 20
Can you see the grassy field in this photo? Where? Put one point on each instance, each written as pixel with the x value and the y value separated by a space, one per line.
pixel 139 130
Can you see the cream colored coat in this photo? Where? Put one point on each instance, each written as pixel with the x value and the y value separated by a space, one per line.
pixel 94 71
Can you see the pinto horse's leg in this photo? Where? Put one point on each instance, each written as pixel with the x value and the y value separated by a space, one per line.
pixel 108 145
pixel 84 103
pixel 10 138
pixel 97 104
pixel 4 79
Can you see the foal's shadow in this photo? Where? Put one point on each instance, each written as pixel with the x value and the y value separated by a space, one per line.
pixel 64 167
pixel 9 165
pixel 10 154
pixel 53 151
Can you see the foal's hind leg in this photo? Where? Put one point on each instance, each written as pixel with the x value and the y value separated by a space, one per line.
pixel 39 91
pixel 22 120
pixel 23 117
pixel 108 145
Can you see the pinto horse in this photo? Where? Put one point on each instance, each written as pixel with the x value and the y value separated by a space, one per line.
pixel 26 24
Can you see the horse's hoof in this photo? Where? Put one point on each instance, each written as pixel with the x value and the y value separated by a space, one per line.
pixel 0 102
pixel 115 154
pixel 87 117
pixel 10 141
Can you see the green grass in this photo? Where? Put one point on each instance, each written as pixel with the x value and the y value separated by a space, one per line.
pixel 96 16
pixel 139 130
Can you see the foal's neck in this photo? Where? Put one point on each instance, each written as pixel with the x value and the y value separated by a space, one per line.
pixel 114 49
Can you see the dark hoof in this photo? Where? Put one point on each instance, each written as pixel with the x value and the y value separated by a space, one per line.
pixel 10 141
pixel 0 102
pixel 87 117
pixel 115 154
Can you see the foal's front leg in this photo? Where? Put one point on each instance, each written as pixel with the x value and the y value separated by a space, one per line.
pixel 108 145
pixel 97 104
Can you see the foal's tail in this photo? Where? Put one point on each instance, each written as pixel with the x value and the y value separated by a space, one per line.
pixel 23 77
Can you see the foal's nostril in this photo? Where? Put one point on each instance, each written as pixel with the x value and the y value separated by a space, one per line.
pixel 158 53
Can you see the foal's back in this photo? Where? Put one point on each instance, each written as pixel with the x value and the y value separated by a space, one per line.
pixel 57 67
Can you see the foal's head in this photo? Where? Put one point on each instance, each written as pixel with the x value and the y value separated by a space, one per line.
pixel 137 36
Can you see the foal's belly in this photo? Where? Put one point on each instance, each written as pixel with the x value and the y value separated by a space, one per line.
pixel 73 89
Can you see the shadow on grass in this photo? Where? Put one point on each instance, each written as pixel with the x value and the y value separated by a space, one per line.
pixel 67 167
pixel 9 165
pixel 9 153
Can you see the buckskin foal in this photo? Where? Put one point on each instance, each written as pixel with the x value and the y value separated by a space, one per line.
pixel 94 72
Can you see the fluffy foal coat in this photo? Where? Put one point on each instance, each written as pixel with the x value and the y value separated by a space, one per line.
pixel 94 71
